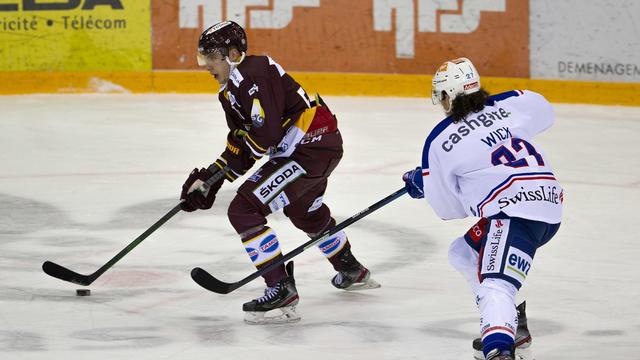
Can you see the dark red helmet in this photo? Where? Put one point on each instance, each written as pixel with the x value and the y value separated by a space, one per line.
pixel 220 37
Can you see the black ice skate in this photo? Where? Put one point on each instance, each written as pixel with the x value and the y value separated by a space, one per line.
pixel 522 342
pixel 283 297
pixel 496 354
pixel 353 275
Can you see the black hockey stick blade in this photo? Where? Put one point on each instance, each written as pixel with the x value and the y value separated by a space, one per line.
pixel 62 273
pixel 65 274
pixel 209 282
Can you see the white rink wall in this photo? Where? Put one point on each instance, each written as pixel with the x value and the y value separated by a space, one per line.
pixel 595 40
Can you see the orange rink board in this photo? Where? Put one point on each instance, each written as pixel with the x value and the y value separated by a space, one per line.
pixel 333 47
pixel 354 36
pixel 346 84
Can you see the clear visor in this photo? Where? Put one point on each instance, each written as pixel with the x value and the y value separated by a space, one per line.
pixel 436 97
pixel 210 58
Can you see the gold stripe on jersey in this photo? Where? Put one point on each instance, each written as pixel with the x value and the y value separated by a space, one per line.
pixel 254 153
pixel 306 118
pixel 221 163
pixel 293 135
pixel 252 142
pixel 284 124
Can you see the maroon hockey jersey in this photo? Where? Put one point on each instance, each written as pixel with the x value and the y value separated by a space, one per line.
pixel 262 102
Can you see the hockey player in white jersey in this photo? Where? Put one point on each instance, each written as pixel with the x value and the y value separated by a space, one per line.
pixel 481 161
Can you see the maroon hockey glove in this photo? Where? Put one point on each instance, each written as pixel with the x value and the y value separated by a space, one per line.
pixel 192 195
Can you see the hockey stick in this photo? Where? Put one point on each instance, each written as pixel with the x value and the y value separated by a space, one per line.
pixel 62 273
pixel 209 282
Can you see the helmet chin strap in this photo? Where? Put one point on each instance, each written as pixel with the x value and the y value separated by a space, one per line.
pixel 447 104
pixel 234 64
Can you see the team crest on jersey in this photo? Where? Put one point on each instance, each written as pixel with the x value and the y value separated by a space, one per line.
pixel 257 114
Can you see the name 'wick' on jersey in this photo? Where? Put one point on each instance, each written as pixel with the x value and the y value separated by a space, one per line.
pixel 488 162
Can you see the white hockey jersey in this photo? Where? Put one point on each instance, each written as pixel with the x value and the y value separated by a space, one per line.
pixel 488 164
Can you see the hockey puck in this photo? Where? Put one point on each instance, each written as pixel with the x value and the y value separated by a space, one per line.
pixel 83 292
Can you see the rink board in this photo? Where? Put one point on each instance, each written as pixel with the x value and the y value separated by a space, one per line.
pixel 345 84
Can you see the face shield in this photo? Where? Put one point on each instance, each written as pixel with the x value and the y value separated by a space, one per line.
pixel 437 87
pixel 436 96
pixel 211 57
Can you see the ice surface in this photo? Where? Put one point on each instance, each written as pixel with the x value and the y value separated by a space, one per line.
pixel 83 175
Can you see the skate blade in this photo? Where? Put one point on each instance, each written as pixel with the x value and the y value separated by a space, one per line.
pixel 288 315
pixel 522 353
pixel 366 285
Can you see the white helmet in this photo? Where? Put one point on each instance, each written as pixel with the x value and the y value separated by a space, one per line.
pixel 455 77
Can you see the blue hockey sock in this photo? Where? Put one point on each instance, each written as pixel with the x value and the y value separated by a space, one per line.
pixel 497 341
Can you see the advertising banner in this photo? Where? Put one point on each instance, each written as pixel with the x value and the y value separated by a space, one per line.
pixel 592 40
pixel 75 35
pixel 374 36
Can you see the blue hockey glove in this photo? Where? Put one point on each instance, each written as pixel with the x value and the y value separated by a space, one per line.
pixel 413 183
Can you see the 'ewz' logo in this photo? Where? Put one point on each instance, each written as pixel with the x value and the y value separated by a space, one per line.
pixel 518 264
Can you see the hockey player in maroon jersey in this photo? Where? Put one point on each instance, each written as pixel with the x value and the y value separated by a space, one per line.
pixel 269 114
